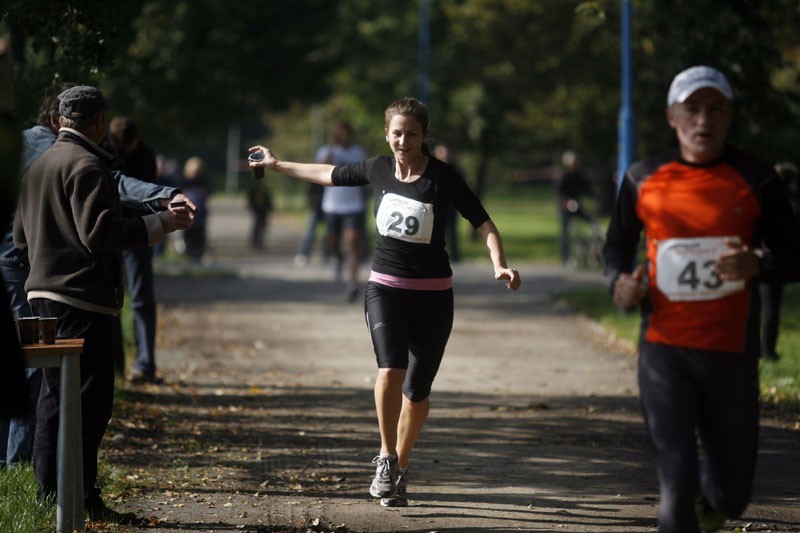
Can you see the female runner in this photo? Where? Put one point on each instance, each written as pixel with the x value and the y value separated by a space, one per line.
pixel 409 297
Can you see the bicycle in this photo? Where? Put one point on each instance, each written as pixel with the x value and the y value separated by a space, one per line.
pixel 585 250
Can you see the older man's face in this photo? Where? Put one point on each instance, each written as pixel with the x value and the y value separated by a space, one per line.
pixel 701 123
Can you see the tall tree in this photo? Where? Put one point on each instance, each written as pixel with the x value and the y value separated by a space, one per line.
pixel 531 80
pixel 195 67
pixel 514 82
pixel 185 70
pixel 53 41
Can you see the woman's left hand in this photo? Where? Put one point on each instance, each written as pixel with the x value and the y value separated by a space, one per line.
pixel 511 275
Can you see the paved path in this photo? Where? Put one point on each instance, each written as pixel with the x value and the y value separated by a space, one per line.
pixel 534 423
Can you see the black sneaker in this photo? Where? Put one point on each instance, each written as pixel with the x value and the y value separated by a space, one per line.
pixel 98 512
pixel 400 499
pixel 385 482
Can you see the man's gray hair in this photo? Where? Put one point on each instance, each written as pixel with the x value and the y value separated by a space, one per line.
pixel 79 124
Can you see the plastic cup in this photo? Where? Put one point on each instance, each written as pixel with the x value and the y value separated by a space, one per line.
pixel 258 172
pixel 48 328
pixel 28 329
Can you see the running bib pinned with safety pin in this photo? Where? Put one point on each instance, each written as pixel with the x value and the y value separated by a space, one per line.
pixel 685 269
pixel 405 219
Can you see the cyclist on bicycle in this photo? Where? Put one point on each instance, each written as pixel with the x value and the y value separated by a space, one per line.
pixel 570 188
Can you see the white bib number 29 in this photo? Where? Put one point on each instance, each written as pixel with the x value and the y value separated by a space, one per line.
pixel 686 269
pixel 405 219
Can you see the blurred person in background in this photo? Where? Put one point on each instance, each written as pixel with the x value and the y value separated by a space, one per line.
pixel 570 188
pixel 344 208
pixel 134 158
pixel 194 184
pixel 166 176
pixel 772 292
pixel 259 200
pixel 315 218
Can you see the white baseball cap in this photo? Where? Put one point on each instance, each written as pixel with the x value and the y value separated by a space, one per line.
pixel 695 78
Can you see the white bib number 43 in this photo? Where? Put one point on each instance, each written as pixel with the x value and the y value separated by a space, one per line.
pixel 685 269
pixel 405 219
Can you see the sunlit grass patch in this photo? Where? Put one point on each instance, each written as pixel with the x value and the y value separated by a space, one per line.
pixel 20 509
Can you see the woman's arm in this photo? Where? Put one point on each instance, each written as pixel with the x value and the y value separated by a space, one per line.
pixel 311 172
pixel 494 243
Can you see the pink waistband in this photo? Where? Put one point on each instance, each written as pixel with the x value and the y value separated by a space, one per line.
pixel 412 284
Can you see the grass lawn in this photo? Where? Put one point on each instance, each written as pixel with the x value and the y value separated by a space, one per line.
pixel 528 222
pixel 19 508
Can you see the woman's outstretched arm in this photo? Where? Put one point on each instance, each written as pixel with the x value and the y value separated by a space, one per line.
pixel 311 172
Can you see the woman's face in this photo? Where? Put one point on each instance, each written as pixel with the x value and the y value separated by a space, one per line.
pixel 405 136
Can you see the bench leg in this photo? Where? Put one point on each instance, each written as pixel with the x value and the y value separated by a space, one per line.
pixel 70 515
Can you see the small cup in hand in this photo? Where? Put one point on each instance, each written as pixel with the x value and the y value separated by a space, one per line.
pixel 258 172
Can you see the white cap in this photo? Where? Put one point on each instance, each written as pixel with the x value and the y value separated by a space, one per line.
pixel 695 78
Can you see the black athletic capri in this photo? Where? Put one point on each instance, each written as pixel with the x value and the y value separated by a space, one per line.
pixel 409 329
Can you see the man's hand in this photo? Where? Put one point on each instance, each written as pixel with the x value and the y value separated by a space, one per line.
pixel 628 289
pixel 179 215
pixel 178 198
pixel 739 262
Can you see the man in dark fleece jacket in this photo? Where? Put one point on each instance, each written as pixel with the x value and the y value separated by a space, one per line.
pixel 69 221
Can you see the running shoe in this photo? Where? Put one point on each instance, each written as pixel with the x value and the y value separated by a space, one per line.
pixel 400 499
pixel 385 482
pixel 709 519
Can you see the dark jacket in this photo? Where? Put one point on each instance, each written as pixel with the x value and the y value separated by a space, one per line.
pixel 70 223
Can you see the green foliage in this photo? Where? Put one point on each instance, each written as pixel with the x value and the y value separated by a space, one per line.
pixel 521 76
pixel 183 70
pixel 55 41
pixel 196 67
pixel 20 509
pixel 754 43
pixel 512 83
pixel 379 52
